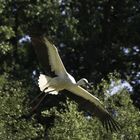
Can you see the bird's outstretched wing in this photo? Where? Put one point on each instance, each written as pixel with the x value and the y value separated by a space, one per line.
pixel 47 51
pixel 108 122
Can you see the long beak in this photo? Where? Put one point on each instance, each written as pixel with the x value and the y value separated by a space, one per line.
pixel 89 86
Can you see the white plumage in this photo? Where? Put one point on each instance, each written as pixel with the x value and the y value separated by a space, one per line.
pixel 44 82
pixel 63 80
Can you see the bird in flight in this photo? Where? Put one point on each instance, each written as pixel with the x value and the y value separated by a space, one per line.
pixel 61 79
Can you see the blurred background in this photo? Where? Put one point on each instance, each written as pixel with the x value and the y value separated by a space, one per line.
pixel 98 40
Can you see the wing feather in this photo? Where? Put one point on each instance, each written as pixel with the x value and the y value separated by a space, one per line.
pixel 47 52
pixel 108 122
pixel 54 59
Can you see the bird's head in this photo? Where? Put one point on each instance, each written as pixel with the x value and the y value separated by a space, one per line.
pixel 84 82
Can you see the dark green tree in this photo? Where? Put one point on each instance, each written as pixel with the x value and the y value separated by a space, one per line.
pixel 94 38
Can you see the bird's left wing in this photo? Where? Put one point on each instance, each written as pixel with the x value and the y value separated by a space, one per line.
pixel 48 54
pixel 54 59
pixel 100 111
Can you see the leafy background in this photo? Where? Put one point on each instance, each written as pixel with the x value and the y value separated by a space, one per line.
pixel 98 40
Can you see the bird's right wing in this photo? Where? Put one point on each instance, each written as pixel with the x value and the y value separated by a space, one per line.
pixel 100 111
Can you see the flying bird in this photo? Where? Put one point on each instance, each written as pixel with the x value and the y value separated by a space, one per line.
pixel 61 79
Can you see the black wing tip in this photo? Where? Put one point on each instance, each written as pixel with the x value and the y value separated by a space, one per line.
pixel 41 51
pixel 42 37
pixel 110 124
pixel 38 39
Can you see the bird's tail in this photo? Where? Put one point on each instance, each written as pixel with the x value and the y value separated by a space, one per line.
pixel 44 84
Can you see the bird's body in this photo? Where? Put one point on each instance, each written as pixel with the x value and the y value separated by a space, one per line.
pixel 58 83
pixel 63 80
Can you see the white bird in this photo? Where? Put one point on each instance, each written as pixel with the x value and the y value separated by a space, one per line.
pixel 63 80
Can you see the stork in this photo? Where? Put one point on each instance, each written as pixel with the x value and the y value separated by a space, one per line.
pixel 47 52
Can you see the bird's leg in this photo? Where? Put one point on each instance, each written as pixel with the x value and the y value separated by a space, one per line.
pixel 35 107
pixel 40 99
pixel 36 98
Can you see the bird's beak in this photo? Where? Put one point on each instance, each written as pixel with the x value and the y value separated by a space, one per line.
pixel 89 85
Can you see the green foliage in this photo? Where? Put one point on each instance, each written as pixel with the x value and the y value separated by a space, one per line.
pixel 13 106
pixel 72 124
pixel 7 32
pixel 5 48
pixel 99 37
